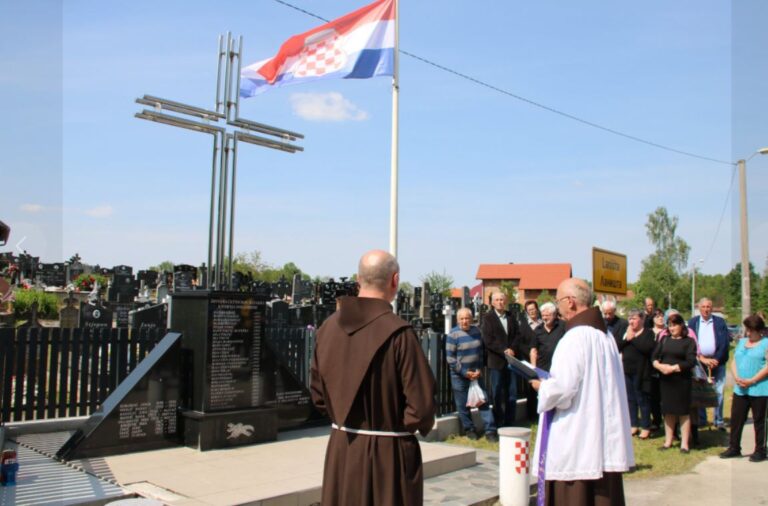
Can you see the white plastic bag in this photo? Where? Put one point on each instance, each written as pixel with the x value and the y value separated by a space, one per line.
pixel 475 395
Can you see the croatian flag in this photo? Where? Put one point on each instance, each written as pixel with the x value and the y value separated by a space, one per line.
pixel 356 46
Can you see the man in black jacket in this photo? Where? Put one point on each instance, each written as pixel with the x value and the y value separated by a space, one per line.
pixel 500 336
pixel 616 326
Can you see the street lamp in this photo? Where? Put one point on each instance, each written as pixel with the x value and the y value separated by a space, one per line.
pixel 746 302
pixel 693 286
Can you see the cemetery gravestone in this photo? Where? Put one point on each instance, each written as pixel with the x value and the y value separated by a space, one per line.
pixel 52 274
pixel 94 316
pixel 149 317
pixel 69 316
pixel 184 277
pixel 280 313
pixel 148 278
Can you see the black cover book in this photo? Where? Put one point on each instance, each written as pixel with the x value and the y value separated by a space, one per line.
pixel 526 370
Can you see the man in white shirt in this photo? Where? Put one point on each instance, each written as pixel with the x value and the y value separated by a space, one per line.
pixel 589 443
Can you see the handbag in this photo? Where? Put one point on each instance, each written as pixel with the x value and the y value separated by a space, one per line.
pixel 475 395
pixel 703 393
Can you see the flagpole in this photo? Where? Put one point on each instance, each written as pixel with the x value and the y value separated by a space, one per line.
pixel 394 153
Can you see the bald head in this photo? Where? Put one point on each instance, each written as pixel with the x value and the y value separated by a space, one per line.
pixel 573 297
pixel 377 272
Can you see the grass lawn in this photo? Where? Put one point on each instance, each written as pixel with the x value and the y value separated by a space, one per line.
pixel 651 463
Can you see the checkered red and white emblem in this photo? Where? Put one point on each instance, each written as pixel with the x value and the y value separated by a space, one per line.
pixel 522 464
pixel 321 58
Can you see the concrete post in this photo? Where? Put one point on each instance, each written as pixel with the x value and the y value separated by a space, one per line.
pixel 515 463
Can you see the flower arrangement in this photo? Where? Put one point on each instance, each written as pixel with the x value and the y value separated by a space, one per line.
pixel 84 282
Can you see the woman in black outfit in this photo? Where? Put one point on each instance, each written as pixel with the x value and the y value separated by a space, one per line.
pixel 636 346
pixel 674 357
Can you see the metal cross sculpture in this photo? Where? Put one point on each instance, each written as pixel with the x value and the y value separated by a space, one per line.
pixel 225 142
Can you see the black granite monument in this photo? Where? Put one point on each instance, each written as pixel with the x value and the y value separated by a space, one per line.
pixel 142 412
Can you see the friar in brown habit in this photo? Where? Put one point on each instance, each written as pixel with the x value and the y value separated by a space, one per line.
pixel 371 377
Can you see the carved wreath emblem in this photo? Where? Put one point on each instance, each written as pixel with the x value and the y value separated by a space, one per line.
pixel 235 430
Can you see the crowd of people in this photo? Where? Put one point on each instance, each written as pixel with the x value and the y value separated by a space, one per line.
pixel 611 379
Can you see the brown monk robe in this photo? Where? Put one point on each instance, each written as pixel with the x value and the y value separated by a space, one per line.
pixel 369 372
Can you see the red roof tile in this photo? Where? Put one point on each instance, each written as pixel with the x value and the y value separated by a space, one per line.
pixel 530 276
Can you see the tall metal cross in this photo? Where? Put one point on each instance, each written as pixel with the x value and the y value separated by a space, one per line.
pixel 225 142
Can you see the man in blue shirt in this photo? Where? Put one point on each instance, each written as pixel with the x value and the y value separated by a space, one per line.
pixel 464 354
pixel 712 333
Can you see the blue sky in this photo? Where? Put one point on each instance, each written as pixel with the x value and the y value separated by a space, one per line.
pixel 484 178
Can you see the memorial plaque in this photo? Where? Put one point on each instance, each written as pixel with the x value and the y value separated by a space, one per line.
pixel 142 412
pixel 303 316
pixel 235 327
pixel 95 316
pixel 234 373
pixel 69 316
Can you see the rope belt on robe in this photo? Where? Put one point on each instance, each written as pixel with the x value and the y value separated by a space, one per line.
pixel 366 432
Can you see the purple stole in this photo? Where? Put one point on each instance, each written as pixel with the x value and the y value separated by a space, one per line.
pixel 544 443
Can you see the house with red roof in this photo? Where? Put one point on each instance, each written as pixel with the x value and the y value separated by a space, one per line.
pixel 529 279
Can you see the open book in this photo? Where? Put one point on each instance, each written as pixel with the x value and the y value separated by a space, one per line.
pixel 526 369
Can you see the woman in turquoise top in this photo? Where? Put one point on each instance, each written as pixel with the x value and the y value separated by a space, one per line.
pixel 750 371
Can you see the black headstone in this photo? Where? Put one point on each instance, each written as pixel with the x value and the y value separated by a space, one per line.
pixel 149 317
pixel 142 412
pixel 121 311
pixel 149 278
pixel 279 314
pixel 95 316
pixel 52 274
pixel 184 277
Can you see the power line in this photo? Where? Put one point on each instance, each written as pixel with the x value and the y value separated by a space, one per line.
pixel 722 215
pixel 531 102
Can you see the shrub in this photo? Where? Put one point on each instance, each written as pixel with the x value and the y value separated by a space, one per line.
pixel 47 304
pixel 84 282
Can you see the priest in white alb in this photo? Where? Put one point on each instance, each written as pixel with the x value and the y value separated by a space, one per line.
pixel 583 443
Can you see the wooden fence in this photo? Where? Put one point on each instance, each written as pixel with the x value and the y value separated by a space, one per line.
pixel 56 373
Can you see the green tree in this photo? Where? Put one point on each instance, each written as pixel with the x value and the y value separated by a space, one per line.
pixel 662 276
pixel 406 287
pixel 543 297
pixel 661 230
pixel 164 266
pixel 438 282
pixel 509 289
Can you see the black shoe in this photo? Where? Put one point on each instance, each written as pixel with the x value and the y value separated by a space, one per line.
pixel 685 450
pixel 722 428
pixel 491 437
pixel 664 448
pixel 471 435
pixel 730 453
pixel 757 457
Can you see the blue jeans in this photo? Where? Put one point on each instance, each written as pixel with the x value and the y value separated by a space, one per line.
pixel 637 399
pixel 718 375
pixel 460 388
pixel 504 387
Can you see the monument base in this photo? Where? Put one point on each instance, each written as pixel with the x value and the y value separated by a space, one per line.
pixel 223 429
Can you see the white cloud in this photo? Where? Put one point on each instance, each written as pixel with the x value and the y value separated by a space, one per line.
pixel 31 208
pixel 99 212
pixel 326 107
